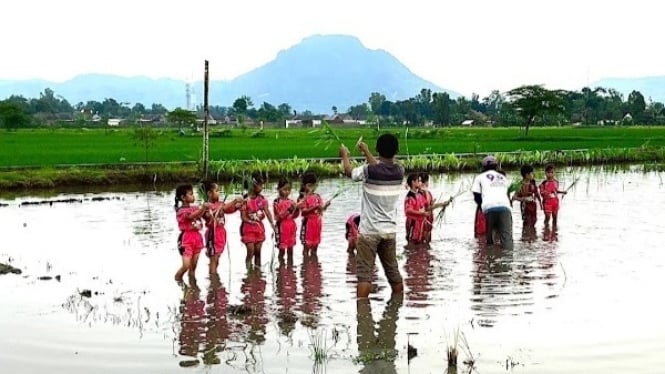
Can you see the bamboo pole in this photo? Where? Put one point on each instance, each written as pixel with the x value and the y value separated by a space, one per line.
pixel 205 121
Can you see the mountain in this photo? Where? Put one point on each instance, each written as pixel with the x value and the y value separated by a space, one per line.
pixel 653 87
pixel 315 74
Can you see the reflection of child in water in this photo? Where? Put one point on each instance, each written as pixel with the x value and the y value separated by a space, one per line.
pixel 285 288
pixel 192 321
pixel 217 327
pixel 311 290
pixel 254 288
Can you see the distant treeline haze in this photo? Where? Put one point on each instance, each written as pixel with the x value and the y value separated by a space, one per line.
pixel 523 106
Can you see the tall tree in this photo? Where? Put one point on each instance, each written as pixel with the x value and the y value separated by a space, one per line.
pixel 376 100
pixel 181 117
pixel 12 115
pixel 358 111
pixel 441 108
pixel 535 101
pixel 636 105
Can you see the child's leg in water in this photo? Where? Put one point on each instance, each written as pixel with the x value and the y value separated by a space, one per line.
pixel 257 253
pixel 250 253
pixel 214 264
pixel 186 265
pixel 194 263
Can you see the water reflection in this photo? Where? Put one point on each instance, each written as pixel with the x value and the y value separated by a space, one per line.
pixel 217 326
pixel 419 273
pixel 285 289
pixel 492 282
pixel 310 274
pixel 376 342
pixel 254 288
pixel 192 323
pixel 148 226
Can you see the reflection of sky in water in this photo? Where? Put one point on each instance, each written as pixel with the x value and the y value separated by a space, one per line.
pixel 580 299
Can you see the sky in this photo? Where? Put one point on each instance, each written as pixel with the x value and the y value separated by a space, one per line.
pixel 470 46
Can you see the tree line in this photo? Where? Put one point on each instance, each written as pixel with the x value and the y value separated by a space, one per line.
pixel 525 106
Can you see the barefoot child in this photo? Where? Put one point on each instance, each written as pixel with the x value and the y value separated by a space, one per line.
pixel 311 208
pixel 430 206
pixel 216 232
pixel 252 213
pixel 429 201
pixel 190 241
pixel 414 209
pixel 286 211
pixel 352 224
pixel 528 195
pixel 549 189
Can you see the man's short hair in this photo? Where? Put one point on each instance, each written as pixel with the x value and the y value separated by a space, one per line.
pixel 387 145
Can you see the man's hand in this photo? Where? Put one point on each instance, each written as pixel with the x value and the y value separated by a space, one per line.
pixel 343 151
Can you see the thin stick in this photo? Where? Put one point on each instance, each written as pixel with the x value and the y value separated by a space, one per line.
pixel 571 186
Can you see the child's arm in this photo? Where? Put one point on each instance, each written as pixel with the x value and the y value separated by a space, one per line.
pixel 280 215
pixel 233 205
pixel 269 215
pixel 442 204
pixel 199 213
pixel 244 216
pixel 409 208
pixel 325 205
pixel 304 209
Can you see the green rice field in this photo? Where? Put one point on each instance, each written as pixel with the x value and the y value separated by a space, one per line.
pixel 44 147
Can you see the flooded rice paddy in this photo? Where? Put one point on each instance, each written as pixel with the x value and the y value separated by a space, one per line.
pixel 96 293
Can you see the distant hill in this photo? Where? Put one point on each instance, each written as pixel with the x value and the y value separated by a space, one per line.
pixel 653 87
pixel 319 72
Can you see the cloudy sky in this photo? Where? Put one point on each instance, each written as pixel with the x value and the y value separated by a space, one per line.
pixel 468 46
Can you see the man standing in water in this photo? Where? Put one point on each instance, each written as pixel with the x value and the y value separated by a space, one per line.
pixel 490 191
pixel 378 223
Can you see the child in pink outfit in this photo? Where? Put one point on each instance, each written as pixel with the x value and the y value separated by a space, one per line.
pixel 189 218
pixel 215 221
pixel 549 190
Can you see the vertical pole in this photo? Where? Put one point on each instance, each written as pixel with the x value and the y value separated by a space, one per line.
pixel 205 121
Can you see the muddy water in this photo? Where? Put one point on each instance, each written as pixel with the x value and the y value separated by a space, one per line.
pixel 582 299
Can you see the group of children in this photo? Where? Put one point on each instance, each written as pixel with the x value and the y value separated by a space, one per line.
pixel 531 197
pixel 545 195
pixel 254 209
pixel 419 206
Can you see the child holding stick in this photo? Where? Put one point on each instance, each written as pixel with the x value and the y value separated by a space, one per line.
pixel 549 189
pixel 190 241
pixel 253 211
pixel 286 211
pixel 216 232
pixel 311 208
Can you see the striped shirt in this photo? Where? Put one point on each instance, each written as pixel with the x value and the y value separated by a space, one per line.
pixel 381 191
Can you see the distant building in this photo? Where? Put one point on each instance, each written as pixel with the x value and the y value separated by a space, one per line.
pixel 114 122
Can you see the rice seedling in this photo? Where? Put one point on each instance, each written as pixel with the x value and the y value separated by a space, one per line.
pixel 457 344
pixel 451 350
pixel 327 135
pixel 319 346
